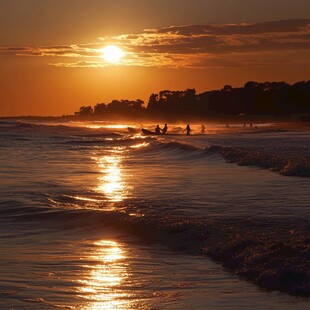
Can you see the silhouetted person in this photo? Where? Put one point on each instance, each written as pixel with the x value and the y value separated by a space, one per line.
pixel 244 125
pixel 157 130
pixel 203 128
pixel 164 130
pixel 227 126
pixel 187 129
pixel 251 125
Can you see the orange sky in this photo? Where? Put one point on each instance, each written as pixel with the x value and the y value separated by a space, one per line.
pixel 51 60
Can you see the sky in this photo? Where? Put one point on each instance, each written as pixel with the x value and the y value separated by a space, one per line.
pixel 51 51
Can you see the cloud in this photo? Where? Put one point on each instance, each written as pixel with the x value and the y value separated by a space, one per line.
pixel 74 50
pixel 221 39
pixel 238 29
pixel 186 46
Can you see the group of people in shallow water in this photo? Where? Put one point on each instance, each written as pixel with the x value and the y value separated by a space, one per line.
pixel 158 130
pixel 164 130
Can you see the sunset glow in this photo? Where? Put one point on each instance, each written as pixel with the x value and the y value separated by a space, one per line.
pixel 84 58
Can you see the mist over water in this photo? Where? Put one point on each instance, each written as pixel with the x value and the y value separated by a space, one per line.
pixel 93 217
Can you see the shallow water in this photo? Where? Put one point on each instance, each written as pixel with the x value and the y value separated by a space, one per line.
pixel 94 218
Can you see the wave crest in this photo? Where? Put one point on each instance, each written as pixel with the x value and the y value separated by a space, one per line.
pixel 272 255
pixel 288 166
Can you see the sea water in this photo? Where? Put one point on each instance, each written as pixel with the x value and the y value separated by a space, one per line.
pixel 93 217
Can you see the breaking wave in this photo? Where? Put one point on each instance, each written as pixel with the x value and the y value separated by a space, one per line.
pixel 274 256
pixel 283 164
pixel 287 166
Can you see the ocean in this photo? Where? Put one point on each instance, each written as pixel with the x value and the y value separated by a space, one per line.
pixel 95 217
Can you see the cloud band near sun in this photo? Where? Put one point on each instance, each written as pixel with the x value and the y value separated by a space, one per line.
pixel 197 46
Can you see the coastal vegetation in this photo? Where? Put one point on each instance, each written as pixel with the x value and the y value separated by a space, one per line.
pixel 277 99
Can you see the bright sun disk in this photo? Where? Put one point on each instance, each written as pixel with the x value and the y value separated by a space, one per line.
pixel 112 54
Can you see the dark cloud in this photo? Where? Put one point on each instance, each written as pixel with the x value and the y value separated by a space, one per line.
pixel 231 29
pixel 227 38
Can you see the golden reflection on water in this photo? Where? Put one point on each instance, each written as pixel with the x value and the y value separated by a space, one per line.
pixel 102 286
pixel 112 182
pixel 140 145
pixel 100 126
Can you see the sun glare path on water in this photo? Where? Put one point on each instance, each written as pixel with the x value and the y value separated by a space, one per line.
pixel 112 180
pixel 112 54
pixel 101 283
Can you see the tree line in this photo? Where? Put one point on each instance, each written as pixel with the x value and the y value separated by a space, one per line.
pixel 268 98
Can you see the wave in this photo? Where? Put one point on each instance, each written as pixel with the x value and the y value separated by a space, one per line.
pixel 169 151
pixel 275 257
pixel 180 146
pixel 270 254
pixel 284 165
pixel 7 123
pixel 60 133
pixel 276 161
pixel 100 135
pixel 263 130
pixel 106 141
pixel 29 127
pixel 49 127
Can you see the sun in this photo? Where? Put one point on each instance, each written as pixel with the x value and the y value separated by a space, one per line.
pixel 112 54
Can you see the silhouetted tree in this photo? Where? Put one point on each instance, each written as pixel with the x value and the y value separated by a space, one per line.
pixel 152 102
pixel 100 109
pixel 85 111
pixel 267 98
